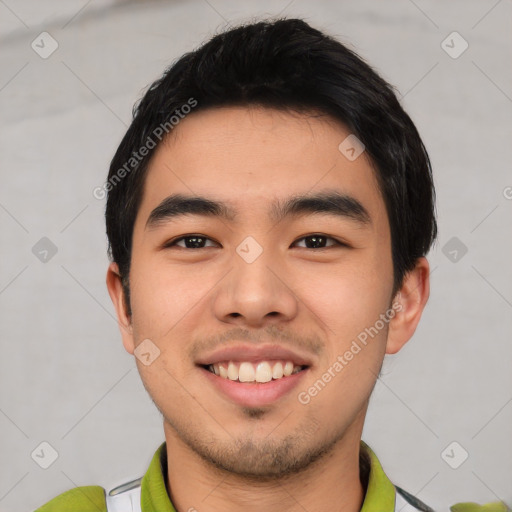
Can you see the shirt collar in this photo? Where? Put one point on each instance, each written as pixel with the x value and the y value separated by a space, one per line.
pixel 380 494
pixel 379 497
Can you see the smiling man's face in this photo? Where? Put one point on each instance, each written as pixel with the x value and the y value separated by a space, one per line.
pixel 269 285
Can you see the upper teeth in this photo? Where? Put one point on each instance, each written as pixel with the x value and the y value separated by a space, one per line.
pixel 263 371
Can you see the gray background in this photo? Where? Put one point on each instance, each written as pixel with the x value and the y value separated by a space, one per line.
pixel 65 377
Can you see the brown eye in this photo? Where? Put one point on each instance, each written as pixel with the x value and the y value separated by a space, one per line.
pixel 190 242
pixel 318 241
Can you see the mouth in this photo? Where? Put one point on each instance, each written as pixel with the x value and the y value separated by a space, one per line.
pixel 252 384
pixel 254 376
pixel 254 371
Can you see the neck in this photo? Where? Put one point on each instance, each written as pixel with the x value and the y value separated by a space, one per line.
pixel 330 484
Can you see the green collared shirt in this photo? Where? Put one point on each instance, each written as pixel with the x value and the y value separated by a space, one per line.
pixel 380 494
pixel 379 497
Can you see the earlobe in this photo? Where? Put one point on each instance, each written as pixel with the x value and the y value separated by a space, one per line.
pixel 409 304
pixel 116 292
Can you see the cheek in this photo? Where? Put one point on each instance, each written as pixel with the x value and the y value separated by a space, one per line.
pixel 163 296
pixel 349 305
pixel 349 302
pixel 346 298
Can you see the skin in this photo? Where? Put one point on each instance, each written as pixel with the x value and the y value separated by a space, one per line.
pixel 224 456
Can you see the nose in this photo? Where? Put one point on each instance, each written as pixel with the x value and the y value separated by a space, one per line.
pixel 255 293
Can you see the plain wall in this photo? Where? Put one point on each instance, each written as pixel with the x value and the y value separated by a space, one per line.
pixel 65 377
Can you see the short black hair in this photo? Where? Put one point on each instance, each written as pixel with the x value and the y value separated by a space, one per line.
pixel 281 64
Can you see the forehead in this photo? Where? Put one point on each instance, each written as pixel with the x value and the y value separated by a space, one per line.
pixel 248 158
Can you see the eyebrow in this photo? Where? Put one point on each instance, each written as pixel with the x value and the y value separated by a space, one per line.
pixel 330 202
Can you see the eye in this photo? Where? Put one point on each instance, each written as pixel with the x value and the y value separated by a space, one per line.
pixel 318 241
pixel 195 241
pixel 190 242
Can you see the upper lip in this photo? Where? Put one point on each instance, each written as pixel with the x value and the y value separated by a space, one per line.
pixel 253 353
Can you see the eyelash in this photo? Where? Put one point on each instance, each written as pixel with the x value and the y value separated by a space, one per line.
pixel 337 243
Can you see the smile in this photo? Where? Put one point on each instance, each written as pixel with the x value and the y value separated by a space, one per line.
pixel 239 385
pixel 249 371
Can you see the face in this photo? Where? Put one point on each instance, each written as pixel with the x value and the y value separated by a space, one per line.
pixel 231 294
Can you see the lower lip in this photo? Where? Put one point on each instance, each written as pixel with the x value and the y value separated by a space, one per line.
pixel 254 394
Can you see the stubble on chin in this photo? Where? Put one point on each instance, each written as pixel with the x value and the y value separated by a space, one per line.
pixel 261 461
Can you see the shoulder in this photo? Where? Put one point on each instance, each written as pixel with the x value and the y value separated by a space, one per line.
pixel 93 498
pixel 86 499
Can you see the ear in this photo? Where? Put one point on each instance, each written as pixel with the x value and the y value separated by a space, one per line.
pixel 115 290
pixel 408 304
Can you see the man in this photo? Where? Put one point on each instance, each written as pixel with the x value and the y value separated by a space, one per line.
pixel 269 211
